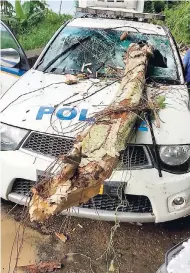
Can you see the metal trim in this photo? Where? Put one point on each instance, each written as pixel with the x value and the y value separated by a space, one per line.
pixel 92 213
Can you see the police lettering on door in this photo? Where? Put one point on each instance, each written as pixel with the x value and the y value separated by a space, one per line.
pixel 65 113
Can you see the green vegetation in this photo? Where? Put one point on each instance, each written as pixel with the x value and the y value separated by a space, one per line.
pixel 39 35
pixel 6 7
pixel 161 102
pixel 178 21
pixel 157 6
pixel 177 17
pixel 23 15
pixel 32 22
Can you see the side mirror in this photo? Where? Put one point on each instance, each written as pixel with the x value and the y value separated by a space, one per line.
pixel 9 57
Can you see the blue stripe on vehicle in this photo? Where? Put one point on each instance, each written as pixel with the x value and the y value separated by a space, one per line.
pixel 14 71
pixel 143 127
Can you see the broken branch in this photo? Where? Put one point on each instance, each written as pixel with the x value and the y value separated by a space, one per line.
pixel 42 267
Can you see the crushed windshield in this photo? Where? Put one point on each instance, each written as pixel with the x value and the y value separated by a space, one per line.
pixel 78 49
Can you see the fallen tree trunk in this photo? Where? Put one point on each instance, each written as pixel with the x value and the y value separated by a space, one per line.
pixel 96 152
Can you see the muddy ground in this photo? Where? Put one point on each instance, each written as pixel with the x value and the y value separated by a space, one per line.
pixel 138 249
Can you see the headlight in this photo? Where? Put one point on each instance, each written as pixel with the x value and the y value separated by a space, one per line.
pixel 175 155
pixel 11 137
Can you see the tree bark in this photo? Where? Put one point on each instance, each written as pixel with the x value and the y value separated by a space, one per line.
pixel 96 152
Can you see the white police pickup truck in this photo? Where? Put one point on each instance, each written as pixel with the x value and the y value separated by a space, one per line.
pixel 40 116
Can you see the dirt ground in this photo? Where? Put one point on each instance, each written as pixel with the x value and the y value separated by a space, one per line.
pixel 138 249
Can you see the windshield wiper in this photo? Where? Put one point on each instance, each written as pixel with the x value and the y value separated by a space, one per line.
pixel 73 46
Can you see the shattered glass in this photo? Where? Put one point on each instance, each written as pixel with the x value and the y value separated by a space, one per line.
pixel 104 49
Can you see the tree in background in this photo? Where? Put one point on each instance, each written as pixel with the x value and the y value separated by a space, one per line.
pixel 159 6
pixel 25 15
pixel 30 12
pixel 178 21
pixel 76 3
pixel 177 15
pixel 148 7
pixel 6 8
pixel 34 23
pixel 154 6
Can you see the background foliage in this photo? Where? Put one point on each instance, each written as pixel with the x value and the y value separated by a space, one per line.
pixel 34 23
pixel 178 21
pixel 40 34
pixel 177 17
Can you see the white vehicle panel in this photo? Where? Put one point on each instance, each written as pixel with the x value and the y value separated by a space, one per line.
pixel 6 81
pixel 21 105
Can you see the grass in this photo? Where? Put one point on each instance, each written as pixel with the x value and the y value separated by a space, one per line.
pixel 38 36
pixel 178 20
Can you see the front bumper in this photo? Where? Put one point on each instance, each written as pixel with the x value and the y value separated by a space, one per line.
pixel 160 191
pixel 92 213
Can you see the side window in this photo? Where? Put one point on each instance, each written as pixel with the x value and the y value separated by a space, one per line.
pixel 11 53
pixel 9 50
pixel 7 41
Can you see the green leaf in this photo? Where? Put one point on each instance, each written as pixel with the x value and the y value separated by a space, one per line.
pixel 35 18
pixel 161 102
pixel 26 7
pixel 19 11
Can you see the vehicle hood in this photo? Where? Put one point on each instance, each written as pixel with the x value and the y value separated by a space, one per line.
pixel 43 102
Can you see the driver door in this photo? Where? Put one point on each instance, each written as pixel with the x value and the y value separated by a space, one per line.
pixel 13 61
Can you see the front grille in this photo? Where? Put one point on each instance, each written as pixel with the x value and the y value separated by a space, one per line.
pixel 22 186
pixel 133 157
pixel 48 145
pixel 131 203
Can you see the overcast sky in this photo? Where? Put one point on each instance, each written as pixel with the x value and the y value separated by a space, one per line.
pixel 68 6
